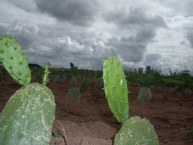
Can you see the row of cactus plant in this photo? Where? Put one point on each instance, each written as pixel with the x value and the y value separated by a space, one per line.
pixel 135 130
pixel 28 116
pixel 74 91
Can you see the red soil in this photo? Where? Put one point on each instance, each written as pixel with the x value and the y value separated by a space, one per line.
pixel 89 121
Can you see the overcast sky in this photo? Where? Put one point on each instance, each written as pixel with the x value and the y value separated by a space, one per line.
pixel 158 33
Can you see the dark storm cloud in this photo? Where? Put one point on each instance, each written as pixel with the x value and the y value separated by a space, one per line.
pixel 135 18
pixel 73 11
pixel 132 48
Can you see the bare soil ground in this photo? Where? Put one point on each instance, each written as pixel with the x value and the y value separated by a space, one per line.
pixel 90 122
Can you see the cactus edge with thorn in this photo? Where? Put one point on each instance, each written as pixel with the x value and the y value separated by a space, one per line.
pixel 115 86
pixel 14 60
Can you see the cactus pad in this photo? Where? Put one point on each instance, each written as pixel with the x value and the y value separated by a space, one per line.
pixel 74 93
pixel 136 131
pixel 143 94
pixel 84 86
pixel 115 86
pixel 14 60
pixel 28 116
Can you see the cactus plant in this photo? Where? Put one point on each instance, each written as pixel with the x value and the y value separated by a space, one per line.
pixel 74 92
pixel 136 131
pixel 115 86
pixel 74 70
pixel 45 79
pixel 14 60
pixel 73 81
pixel 84 86
pixel 99 83
pixel 144 93
pixel 28 116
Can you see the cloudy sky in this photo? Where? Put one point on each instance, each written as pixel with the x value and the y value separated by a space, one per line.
pixel 158 33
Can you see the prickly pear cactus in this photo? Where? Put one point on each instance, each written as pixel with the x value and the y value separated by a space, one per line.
pixel 28 116
pixel 14 60
pixel 74 93
pixel 73 81
pixel 84 86
pixel 99 83
pixel 144 93
pixel 115 87
pixel 136 131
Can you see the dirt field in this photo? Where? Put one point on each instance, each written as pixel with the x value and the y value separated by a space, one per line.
pixel 90 122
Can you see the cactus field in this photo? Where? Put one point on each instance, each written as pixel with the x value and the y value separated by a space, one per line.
pixel 89 120
pixel 60 106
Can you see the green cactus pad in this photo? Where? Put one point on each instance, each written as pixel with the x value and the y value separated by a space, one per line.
pixel 115 86
pixel 74 93
pixel 99 83
pixel 143 94
pixel 28 116
pixel 14 60
pixel 136 131
pixel 84 86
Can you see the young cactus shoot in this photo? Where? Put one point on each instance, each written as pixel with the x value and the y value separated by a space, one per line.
pixel 45 79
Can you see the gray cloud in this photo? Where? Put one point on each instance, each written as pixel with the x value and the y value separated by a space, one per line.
pixel 73 11
pixel 179 7
pixel 28 6
pixel 25 33
pixel 135 18
pixel 189 37
pixel 132 48
pixel 152 59
pixel 45 43
pixel 52 30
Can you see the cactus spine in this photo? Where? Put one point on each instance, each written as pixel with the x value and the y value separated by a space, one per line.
pixel 115 86
pixel 14 60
